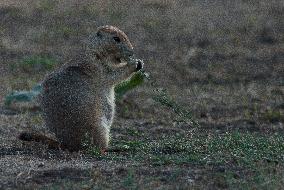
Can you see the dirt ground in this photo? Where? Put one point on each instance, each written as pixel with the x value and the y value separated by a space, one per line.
pixel 222 60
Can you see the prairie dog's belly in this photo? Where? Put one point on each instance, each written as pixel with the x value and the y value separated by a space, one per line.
pixel 108 109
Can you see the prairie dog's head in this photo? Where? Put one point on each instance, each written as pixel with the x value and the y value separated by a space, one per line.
pixel 112 47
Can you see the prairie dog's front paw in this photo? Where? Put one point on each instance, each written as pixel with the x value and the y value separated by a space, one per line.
pixel 139 64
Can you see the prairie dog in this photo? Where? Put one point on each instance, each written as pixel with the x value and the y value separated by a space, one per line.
pixel 79 98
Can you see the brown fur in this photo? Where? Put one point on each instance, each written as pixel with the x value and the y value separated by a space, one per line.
pixel 78 99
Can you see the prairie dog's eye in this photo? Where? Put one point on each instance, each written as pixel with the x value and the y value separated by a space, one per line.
pixel 99 34
pixel 117 39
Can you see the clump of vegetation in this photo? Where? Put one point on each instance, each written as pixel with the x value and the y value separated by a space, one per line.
pixel 183 115
pixel 23 96
pixel 136 80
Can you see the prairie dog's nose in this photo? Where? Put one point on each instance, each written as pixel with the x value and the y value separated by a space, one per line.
pixel 139 65
pixel 128 52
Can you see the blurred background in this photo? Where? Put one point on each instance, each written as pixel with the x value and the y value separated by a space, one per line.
pixel 222 60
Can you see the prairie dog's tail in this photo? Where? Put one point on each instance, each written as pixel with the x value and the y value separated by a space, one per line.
pixel 37 137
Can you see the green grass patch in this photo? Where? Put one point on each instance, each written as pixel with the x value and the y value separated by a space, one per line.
pixel 247 160
pixel 240 149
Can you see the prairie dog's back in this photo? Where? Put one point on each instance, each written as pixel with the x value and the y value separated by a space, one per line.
pixel 68 94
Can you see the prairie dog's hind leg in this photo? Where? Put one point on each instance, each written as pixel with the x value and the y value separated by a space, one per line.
pixel 100 137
